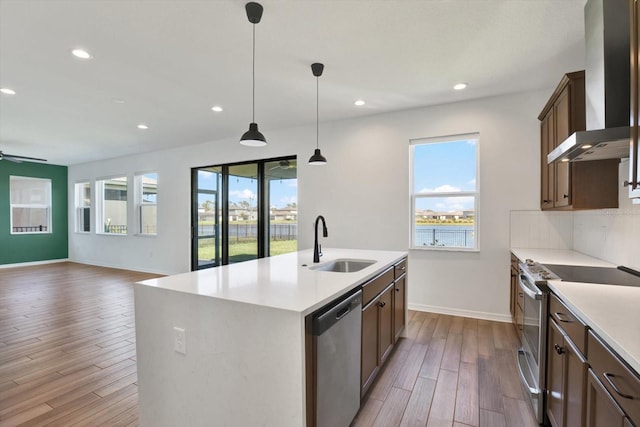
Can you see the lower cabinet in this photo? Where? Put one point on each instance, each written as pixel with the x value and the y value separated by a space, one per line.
pixel 383 320
pixel 566 373
pixel 377 335
pixel 596 389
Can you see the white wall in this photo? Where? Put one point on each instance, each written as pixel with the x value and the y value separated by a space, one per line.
pixel 363 193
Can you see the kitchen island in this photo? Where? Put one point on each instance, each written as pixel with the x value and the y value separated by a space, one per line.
pixel 242 329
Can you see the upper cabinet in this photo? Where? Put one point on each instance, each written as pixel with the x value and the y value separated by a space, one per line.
pixel 634 162
pixel 581 185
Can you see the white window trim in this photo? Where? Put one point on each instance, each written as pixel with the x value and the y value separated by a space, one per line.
pixel 413 196
pixel 78 207
pixel 99 204
pixel 139 203
pixel 49 207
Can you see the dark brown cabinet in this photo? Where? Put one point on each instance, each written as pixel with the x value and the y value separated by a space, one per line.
pixel 378 334
pixel 566 373
pixel 383 319
pixel 516 298
pixel 602 410
pixel 634 162
pixel 580 185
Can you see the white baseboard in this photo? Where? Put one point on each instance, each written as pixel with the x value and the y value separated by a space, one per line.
pixel 459 312
pixel 27 264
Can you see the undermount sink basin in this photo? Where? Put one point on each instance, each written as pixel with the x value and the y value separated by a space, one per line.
pixel 344 265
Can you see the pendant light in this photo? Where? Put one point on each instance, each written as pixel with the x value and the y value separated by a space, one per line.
pixel 253 137
pixel 317 158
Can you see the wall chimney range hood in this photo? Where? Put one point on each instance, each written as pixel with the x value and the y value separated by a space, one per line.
pixel 607 86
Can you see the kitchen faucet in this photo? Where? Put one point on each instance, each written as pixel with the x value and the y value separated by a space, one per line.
pixel 317 249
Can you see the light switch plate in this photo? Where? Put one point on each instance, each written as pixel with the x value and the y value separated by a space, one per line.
pixel 179 340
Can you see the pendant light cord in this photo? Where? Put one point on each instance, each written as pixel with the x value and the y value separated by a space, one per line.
pixel 317 109
pixel 253 113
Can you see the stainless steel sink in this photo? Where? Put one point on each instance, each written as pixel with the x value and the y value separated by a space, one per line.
pixel 344 265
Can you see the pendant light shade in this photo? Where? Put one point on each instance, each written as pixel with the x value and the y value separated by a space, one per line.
pixel 253 137
pixel 317 159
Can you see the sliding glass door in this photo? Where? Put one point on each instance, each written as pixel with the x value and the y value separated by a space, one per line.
pixel 243 211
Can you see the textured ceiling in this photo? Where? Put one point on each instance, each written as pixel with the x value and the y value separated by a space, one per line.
pixel 170 61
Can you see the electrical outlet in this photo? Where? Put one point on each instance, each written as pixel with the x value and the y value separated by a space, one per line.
pixel 179 340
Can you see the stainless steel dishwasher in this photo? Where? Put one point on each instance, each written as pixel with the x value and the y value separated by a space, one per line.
pixel 338 331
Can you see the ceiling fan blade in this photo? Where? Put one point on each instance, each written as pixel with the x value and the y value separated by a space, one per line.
pixel 12 156
pixel 11 159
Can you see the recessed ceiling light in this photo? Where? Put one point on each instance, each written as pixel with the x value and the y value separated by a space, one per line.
pixel 564 160
pixel 216 108
pixel 143 126
pixel 585 146
pixel 460 86
pixel 118 100
pixel 7 91
pixel 359 103
pixel 81 53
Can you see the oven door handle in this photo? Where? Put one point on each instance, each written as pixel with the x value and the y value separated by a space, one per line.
pixel 537 294
pixel 534 391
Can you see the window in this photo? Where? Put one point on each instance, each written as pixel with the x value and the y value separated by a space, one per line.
pixel 111 205
pixel 244 211
pixel 83 207
pixel 146 203
pixel 30 205
pixel 445 193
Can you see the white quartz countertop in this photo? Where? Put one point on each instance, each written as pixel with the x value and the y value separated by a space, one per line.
pixel 559 256
pixel 281 282
pixel 613 312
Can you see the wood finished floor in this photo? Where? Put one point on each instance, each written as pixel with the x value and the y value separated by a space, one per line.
pixel 67 357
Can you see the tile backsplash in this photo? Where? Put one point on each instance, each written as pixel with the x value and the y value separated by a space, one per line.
pixel 609 234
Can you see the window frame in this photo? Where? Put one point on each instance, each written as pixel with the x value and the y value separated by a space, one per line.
pixel 100 205
pixel 414 195
pixel 47 206
pixel 79 206
pixel 139 202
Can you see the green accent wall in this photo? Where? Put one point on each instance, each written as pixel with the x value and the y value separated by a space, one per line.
pixel 34 247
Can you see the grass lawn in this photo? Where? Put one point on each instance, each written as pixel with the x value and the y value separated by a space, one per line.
pixel 247 250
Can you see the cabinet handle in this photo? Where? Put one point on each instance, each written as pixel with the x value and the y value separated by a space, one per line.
pixel 608 376
pixel 403 268
pixel 629 183
pixel 562 317
pixel 558 349
pixel 546 201
pixel 382 304
pixel 397 289
pixel 566 196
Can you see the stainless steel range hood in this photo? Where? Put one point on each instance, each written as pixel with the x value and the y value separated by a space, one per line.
pixel 607 86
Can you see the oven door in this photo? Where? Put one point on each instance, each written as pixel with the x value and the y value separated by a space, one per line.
pixel 530 356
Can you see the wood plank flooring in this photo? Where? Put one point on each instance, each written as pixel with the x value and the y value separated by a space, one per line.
pixel 67 357
pixel 67 346
pixel 449 371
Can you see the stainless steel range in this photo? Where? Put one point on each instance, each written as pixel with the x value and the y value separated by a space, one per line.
pixel 532 355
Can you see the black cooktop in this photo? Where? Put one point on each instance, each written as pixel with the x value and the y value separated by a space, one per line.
pixel 612 276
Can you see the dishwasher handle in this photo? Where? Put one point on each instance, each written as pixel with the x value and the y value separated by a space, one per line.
pixel 325 319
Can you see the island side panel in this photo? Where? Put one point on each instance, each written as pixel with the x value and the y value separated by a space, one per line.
pixel 244 364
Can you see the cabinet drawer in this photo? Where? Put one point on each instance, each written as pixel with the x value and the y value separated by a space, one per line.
pixel 620 381
pixel 371 289
pixel 400 268
pixel 573 327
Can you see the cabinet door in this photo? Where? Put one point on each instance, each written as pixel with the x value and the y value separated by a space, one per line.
pixel 547 170
pixel 399 305
pixel 634 162
pixel 602 410
pixel 575 376
pixel 369 358
pixel 555 373
pixel 562 115
pixel 385 323
pixel 513 294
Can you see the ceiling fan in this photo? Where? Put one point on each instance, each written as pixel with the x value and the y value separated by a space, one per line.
pixel 283 164
pixel 18 159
